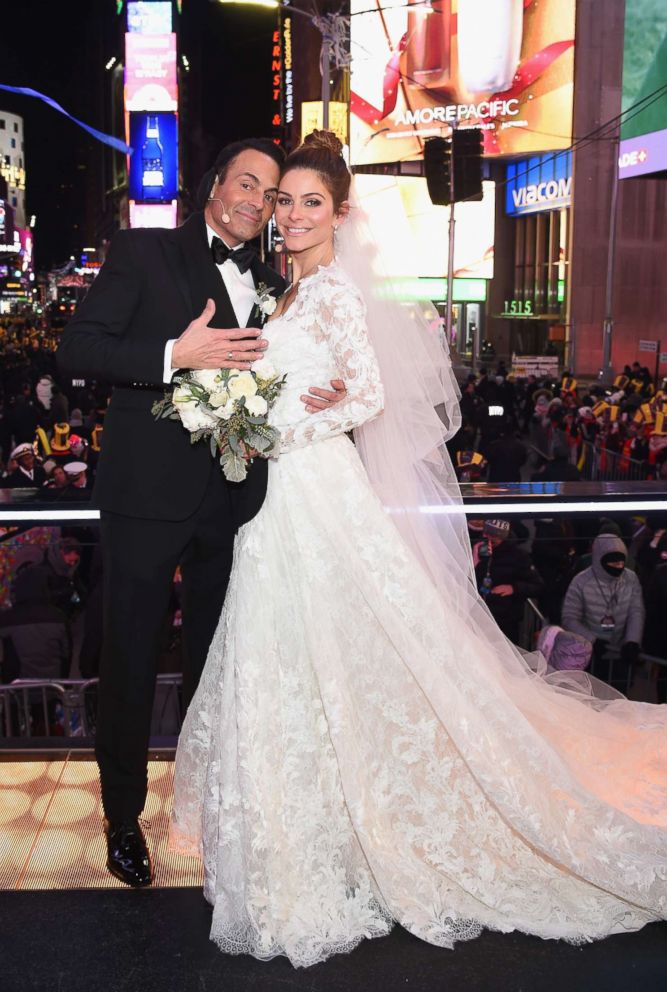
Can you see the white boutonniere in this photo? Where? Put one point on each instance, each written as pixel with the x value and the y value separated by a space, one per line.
pixel 265 301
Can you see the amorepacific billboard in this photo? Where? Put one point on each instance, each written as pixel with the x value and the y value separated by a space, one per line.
pixel 505 66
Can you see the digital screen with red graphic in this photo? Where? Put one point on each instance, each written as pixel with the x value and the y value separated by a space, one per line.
pixel 150 72
pixel 506 66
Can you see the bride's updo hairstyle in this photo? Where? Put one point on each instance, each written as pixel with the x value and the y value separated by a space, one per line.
pixel 322 152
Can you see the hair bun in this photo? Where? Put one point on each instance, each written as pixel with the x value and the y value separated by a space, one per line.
pixel 326 140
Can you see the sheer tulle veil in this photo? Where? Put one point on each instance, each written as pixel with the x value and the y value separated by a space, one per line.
pixel 404 454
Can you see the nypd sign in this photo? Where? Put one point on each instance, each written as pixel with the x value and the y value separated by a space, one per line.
pixel 543 182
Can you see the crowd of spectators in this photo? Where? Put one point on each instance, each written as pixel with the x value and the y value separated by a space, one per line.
pixel 607 590
pixel 602 596
pixel 50 430
pixel 524 429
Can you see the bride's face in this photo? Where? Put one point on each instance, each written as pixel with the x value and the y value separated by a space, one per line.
pixel 305 213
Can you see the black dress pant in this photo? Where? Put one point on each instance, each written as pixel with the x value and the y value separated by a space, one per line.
pixel 140 557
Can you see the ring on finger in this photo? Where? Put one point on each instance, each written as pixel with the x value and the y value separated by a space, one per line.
pixel 230 355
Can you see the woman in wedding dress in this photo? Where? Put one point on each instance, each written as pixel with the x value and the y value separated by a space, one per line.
pixel 365 747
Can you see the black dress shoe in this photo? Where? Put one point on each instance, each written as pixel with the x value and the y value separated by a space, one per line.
pixel 128 858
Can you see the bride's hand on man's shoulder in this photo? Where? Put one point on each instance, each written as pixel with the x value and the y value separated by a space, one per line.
pixel 322 399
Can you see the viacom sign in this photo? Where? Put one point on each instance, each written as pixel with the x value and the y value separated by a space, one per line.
pixel 540 183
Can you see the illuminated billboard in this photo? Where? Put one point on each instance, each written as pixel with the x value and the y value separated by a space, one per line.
pixel 543 182
pixel 149 17
pixel 153 214
pixel 154 164
pixel 643 147
pixel 150 72
pixel 312 118
pixel 413 232
pixel 418 68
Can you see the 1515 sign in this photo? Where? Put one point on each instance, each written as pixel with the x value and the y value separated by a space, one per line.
pixel 518 308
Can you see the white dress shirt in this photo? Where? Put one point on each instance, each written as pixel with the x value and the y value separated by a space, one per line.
pixel 241 289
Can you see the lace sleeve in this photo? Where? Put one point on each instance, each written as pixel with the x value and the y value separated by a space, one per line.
pixel 337 315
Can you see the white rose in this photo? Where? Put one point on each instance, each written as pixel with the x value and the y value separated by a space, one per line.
pixel 242 384
pixel 193 416
pixel 210 379
pixel 263 368
pixel 268 305
pixel 256 406
pixel 225 412
pixel 219 398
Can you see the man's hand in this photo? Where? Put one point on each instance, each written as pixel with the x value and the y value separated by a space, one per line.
pixel 321 399
pixel 502 590
pixel 204 347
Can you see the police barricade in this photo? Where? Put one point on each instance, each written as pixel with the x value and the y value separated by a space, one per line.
pixel 67 708
pixel 601 465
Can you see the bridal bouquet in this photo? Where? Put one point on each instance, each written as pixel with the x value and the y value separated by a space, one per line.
pixel 228 407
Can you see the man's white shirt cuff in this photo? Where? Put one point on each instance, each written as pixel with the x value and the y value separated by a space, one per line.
pixel 168 371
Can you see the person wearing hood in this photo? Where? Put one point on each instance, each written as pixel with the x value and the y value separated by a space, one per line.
pixel 604 603
pixel 61 565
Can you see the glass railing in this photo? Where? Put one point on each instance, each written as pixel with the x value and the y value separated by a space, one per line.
pixel 50 557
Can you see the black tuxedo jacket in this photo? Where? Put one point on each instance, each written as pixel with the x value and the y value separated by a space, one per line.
pixel 152 284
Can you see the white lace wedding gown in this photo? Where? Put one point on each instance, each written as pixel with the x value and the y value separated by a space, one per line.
pixel 353 757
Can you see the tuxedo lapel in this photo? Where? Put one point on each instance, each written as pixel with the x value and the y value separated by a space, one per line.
pixel 198 278
pixel 176 266
pixel 200 274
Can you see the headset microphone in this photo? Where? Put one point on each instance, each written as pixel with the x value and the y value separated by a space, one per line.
pixel 225 218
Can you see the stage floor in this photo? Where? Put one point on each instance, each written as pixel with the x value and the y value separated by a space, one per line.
pixel 63 927
pixel 51 826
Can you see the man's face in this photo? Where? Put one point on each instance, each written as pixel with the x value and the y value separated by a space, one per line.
pixel 247 196
pixel 26 461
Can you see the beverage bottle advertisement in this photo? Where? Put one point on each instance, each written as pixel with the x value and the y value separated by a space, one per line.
pixel 154 162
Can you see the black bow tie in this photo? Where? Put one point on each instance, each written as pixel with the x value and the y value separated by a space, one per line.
pixel 242 257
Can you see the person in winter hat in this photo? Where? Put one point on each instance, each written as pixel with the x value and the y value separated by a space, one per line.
pixel 564 650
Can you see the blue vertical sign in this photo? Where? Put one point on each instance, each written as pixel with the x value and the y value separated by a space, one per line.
pixel 154 164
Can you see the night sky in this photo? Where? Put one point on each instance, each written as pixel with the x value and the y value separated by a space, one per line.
pixel 61 49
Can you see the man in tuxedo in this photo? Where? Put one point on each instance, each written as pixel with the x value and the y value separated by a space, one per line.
pixel 167 300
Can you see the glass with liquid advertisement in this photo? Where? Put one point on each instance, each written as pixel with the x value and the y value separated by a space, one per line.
pixel 643 147
pixel 505 66
pixel 154 161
